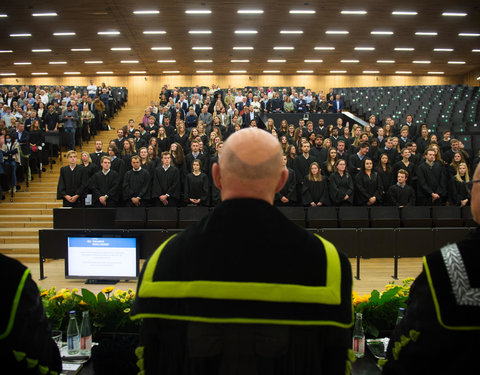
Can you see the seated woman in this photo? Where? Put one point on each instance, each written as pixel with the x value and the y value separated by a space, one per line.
pixel 315 188
pixel 340 185
pixel 196 186
pixel 458 192
pixel 368 185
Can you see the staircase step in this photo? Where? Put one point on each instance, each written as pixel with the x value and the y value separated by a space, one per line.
pixel 30 205
pixel 26 211
pixel 28 248
pixel 19 232
pixel 25 258
pixel 25 218
pixel 18 240
pixel 31 224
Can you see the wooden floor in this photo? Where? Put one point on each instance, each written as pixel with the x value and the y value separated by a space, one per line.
pixel 374 274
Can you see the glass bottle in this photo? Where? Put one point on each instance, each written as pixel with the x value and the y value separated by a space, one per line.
pixel 401 313
pixel 358 337
pixel 73 335
pixel 85 335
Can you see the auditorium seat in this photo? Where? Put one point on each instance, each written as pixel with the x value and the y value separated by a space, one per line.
pixel 447 216
pixel 384 217
pixel 416 216
pixel 99 218
pixel 130 217
pixel 162 217
pixel 353 217
pixel 68 218
pixel 466 214
pixel 295 214
pixel 191 214
pixel 322 217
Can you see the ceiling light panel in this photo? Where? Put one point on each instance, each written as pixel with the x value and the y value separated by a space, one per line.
pixel 454 14
pixel 146 12
pixel 250 11
pixel 154 32
pixel 198 11
pixel 302 11
pixel 354 12
pixel 291 31
pixel 404 13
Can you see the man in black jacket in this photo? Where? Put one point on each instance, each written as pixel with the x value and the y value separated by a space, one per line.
pixel 97 155
pixel 166 183
pixel 72 182
pixel 105 185
pixel 401 194
pixel 431 185
pixel 136 184
pixel 287 196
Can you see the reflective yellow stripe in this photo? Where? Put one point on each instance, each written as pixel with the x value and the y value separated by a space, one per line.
pixel 204 319
pixel 329 294
pixel 437 305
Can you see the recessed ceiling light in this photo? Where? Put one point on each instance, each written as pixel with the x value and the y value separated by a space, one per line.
pixel 129 61
pixel 120 49
pixel 283 48
pixel 386 61
pixel 337 71
pixel 457 62
pixel 364 48
pixel 200 48
pixel 108 72
pixel 47 14
pixel 42 50
pixel 291 31
pixel 22 63
pixel 381 32
pixel 246 31
pixel 57 62
pixel 8 74
pixel 404 49
pixel 69 33
pixel 404 13
pixel 171 71
pixel 340 32
pixel 166 61
pixel 356 12
pixel 113 32
pixel 403 72
pixel 350 61
pixel 238 71
pixel 154 32
pixel 277 61
pixel 6 51
pixel 313 61
pixel 443 49
pixel 242 48
pixel 94 62
pixel 454 14
pixel 371 71
pixel 20 35
pixel 81 49
pixel 421 61
pixel 198 11
pixel 271 71
pixel 475 50
pixel 203 61
pixel 161 48
pixel 146 12
pixel 137 71
pixel 71 73
pixel 301 11
pixel 204 71
pixel 39 74
pixel 3 15
pixel 239 61
pixel 200 32
pixel 426 33
pixel 436 72
pixel 305 71
pixel 324 48
pixel 250 11
pixel 468 34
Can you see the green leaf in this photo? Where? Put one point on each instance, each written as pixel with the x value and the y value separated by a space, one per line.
pixel 89 297
pixel 101 298
pixel 375 296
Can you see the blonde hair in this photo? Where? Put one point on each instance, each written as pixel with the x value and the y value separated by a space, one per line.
pixel 458 177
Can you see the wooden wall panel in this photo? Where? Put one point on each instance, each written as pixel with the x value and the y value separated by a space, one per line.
pixel 143 89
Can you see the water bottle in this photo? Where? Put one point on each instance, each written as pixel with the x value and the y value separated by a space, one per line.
pixel 401 313
pixel 73 336
pixel 358 337
pixel 85 335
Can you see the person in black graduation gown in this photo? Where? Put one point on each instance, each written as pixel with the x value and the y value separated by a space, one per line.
pixel 194 155
pixel 196 186
pixel 401 194
pixel 315 188
pixel 166 183
pixel 355 161
pixel 431 186
pixel 384 170
pixel 340 185
pixel 287 196
pixel 163 140
pixel 118 165
pixel 301 166
pixel 97 154
pixel 328 166
pixel 105 185
pixel 458 193
pixel 215 196
pixel 136 185
pixel 72 182
pixel 368 186
pixel 406 165
pixel 86 163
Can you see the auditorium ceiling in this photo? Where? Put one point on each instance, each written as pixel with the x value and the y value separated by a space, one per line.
pixel 58 38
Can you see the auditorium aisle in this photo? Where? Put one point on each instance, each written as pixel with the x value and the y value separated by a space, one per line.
pixel 32 210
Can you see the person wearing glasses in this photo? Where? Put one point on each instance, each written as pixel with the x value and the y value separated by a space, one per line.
pixel 440 331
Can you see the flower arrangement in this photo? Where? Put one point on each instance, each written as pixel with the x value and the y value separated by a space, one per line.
pixel 380 310
pixel 109 310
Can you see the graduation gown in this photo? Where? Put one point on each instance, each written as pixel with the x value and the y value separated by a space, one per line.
pixel 367 187
pixel 301 167
pixel 315 191
pixel 339 186
pixel 288 190
pixel 196 187
pixel 401 196
pixel 72 183
pixel 166 182
pixel 109 184
pixel 458 192
pixel 431 179
pixel 136 184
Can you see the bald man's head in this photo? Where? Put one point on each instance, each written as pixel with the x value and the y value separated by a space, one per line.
pixel 250 164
